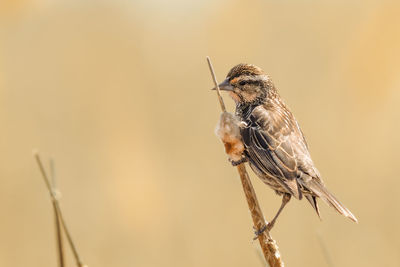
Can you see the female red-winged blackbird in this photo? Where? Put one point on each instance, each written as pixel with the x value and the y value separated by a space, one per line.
pixel 274 143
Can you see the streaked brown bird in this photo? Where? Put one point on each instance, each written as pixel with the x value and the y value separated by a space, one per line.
pixel 275 146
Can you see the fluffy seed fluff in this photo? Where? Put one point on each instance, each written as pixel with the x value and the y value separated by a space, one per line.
pixel 228 131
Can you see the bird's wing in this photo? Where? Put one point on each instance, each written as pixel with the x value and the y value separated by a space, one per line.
pixel 276 146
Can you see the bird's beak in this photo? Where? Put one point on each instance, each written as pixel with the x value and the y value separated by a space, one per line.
pixel 224 86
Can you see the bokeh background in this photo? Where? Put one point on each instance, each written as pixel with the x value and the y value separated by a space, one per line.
pixel 117 92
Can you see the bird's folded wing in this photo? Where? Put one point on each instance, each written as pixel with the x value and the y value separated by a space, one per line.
pixel 276 146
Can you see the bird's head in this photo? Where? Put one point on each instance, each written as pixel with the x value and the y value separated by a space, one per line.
pixel 247 84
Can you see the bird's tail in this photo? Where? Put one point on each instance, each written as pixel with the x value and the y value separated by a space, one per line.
pixel 320 190
pixel 313 202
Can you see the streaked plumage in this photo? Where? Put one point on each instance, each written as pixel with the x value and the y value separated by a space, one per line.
pixel 275 146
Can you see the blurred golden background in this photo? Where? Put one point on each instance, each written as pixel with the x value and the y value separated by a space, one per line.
pixel 118 93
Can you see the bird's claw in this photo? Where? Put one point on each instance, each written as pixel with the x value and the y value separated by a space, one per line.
pixel 259 232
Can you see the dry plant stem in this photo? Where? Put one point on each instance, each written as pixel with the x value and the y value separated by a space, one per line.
pixel 58 209
pixel 79 263
pixel 57 221
pixel 268 245
pixel 221 101
pixel 60 247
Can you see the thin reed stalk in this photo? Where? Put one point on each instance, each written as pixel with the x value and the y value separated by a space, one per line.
pixel 58 212
pixel 57 221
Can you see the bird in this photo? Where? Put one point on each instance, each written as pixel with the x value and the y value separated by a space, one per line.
pixel 274 145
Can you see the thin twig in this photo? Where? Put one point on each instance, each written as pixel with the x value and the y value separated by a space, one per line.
pixel 268 245
pixel 57 221
pixel 78 260
pixel 57 207
pixel 60 246
pixel 221 101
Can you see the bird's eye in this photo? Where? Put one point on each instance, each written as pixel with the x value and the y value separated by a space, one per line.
pixel 242 83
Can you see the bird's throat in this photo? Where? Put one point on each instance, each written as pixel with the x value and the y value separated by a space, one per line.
pixel 235 97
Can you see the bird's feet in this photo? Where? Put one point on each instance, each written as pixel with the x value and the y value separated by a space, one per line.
pixel 259 232
pixel 267 228
pixel 237 162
